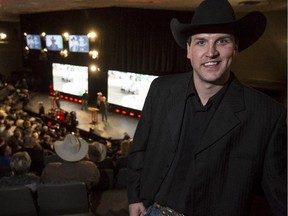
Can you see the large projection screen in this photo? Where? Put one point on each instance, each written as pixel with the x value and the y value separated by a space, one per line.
pixel 70 79
pixel 128 89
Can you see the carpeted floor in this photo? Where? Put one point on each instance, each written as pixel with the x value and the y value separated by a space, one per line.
pixel 113 202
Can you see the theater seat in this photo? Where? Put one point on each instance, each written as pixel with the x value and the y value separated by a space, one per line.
pixel 106 179
pixel 63 199
pixel 121 178
pixel 17 200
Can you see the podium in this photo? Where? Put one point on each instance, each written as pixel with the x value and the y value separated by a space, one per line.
pixel 94 115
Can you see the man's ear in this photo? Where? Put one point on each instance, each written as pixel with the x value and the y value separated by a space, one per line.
pixel 188 50
pixel 235 52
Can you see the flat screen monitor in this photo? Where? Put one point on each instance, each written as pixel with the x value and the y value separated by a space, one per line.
pixel 128 89
pixel 33 41
pixel 54 42
pixel 78 43
pixel 70 79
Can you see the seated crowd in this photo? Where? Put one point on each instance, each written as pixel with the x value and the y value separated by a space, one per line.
pixel 34 151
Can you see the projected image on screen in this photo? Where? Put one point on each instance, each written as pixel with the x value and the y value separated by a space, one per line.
pixel 70 79
pixel 54 42
pixel 128 89
pixel 33 41
pixel 78 43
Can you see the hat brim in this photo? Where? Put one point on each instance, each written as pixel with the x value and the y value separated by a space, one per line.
pixel 62 152
pixel 248 29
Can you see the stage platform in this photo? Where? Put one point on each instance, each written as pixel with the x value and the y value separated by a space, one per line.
pixel 114 128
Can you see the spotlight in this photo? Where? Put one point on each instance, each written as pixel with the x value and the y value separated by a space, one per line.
pixel 64 53
pixel 94 68
pixel 92 35
pixel 66 36
pixel 94 54
pixel 3 36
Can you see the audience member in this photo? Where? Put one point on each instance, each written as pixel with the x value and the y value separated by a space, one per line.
pixel 20 165
pixel 15 141
pixel 24 84
pixel 32 146
pixel 47 143
pixel 73 121
pixel 5 154
pixel 121 161
pixel 25 97
pixel 44 130
pixel 72 150
pixel 8 132
pixel 98 154
pixel 126 136
pixel 3 116
pixel 20 123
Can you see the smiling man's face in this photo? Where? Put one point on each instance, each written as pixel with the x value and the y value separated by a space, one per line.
pixel 211 56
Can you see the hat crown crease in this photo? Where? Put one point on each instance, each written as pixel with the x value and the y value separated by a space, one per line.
pixel 73 145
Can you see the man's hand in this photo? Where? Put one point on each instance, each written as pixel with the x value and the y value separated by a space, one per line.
pixel 137 209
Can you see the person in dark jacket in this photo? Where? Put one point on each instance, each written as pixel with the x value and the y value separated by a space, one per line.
pixel 205 141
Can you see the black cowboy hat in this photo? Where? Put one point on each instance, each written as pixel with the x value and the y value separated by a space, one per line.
pixel 218 16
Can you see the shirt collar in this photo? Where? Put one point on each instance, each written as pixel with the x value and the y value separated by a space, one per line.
pixel 215 99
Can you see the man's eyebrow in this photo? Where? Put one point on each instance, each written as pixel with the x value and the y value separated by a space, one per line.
pixel 219 38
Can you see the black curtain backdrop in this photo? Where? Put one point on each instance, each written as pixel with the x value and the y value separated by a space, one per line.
pixel 141 41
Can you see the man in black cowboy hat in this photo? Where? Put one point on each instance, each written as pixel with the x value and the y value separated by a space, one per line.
pixel 205 142
pixel 53 45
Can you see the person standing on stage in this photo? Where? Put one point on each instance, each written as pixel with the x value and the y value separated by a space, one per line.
pixel 85 98
pixel 99 96
pixel 41 110
pixel 103 108
pixel 56 96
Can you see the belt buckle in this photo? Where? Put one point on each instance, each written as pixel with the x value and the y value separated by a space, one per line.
pixel 167 211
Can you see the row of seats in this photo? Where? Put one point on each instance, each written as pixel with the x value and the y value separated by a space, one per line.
pixel 50 200
pixel 109 181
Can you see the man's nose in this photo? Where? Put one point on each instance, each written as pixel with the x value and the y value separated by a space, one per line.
pixel 212 51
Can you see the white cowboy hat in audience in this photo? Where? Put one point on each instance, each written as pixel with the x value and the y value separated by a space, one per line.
pixel 97 152
pixel 72 148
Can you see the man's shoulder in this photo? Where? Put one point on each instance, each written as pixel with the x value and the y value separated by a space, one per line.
pixel 53 165
pixel 256 98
